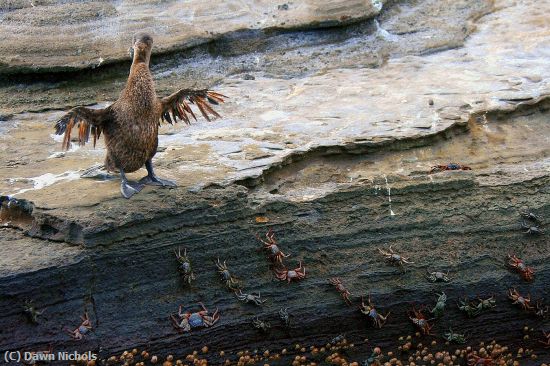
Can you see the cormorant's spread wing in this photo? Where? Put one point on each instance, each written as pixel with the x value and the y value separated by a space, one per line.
pixel 177 105
pixel 88 122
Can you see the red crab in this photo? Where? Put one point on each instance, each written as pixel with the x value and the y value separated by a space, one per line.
pixel 475 360
pixel 419 319
pixel 275 254
pixel 82 329
pixel 450 166
pixel 285 274
pixel 525 271
pixel 341 289
pixel 524 302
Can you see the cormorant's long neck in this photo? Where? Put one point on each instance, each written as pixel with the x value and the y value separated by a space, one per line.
pixel 142 55
pixel 140 87
pixel 139 68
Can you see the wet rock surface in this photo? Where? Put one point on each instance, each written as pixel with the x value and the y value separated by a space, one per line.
pixel 331 149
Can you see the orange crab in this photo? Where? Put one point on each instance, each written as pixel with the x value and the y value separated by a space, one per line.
pixel 524 302
pixel 518 264
pixel 296 274
pixel 275 254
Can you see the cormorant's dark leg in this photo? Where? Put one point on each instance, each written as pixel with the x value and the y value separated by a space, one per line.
pixel 128 189
pixel 152 179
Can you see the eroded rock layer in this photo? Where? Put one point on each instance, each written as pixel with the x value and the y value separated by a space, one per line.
pixel 328 138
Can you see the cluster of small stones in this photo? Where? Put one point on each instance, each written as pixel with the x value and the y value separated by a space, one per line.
pixel 408 354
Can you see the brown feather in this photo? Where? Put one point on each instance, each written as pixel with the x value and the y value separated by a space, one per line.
pixel 88 132
pixel 213 94
pixel 82 132
pixel 188 109
pixel 209 109
pixel 176 111
pixel 95 132
pixel 214 97
pixel 201 108
pixel 183 114
pixel 174 115
pixel 67 137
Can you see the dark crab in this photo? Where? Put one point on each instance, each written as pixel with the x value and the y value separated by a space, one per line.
pixel 341 289
pixel 520 266
pixel 184 322
pixel 284 274
pixel 184 266
pixel 226 276
pixel 438 276
pixel 263 326
pixel 469 308
pixel 486 304
pixel 270 245
pixel 31 312
pixel 454 337
pixel 541 310
pixel 546 342
pixel 450 166
pixel 439 307
pixel 524 302
pixel 374 359
pixel 285 318
pixel 420 320
pixel 528 215
pixel 394 258
pixel 369 310
pixel 340 338
pixel 255 299
pixel 82 329
pixel 531 229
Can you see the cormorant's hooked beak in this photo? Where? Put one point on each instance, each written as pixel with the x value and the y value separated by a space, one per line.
pixel 131 52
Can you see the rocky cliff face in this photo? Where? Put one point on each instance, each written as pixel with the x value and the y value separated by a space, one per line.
pixel 327 139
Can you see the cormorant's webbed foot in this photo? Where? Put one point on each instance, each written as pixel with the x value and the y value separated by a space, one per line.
pixel 152 180
pixel 128 189
pixel 155 181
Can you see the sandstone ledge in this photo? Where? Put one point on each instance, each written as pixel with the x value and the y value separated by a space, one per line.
pixel 60 36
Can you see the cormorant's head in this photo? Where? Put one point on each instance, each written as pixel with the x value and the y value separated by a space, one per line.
pixel 141 49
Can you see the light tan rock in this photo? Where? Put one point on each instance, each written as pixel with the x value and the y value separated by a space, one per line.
pixel 60 35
